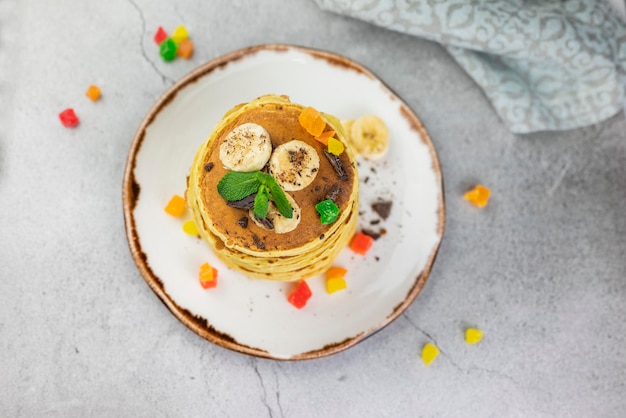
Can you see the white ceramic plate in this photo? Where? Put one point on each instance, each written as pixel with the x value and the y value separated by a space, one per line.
pixel 252 316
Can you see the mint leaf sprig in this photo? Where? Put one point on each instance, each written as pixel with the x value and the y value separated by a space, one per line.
pixel 236 185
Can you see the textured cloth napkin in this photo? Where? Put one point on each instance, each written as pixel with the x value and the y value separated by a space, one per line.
pixel 544 65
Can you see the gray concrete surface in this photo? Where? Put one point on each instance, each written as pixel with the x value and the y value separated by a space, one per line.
pixel 542 270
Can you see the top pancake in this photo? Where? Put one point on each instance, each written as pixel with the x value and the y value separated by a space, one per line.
pixel 280 118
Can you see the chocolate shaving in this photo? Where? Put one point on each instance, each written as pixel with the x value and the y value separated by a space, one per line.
pixel 334 192
pixel 382 209
pixel 260 244
pixel 208 167
pixel 335 162
pixel 371 233
pixel 245 203
pixel 265 222
pixel 243 222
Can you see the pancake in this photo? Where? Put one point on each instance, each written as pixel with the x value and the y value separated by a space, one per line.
pixel 259 252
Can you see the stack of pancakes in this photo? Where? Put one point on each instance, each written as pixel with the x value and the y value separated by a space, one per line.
pixel 244 245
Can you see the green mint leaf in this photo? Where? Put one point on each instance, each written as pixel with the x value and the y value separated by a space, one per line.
pixel 280 200
pixel 261 203
pixel 264 178
pixel 236 185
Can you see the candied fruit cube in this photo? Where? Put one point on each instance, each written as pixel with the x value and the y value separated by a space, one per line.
pixel 429 353
pixel 190 228
pixel 311 120
pixel 176 206
pixel 336 271
pixel 335 146
pixel 361 243
pixel 473 335
pixel 324 136
pixel 207 276
pixel 185 48
pixel 180 34
pixel 300 295
pixel 68 118
pixel 335 284
pixel 160 36
pixel 168 50
pixel 93 92
pixel 478 196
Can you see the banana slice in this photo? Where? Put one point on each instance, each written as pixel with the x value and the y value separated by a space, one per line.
pixel 294 165
pixel 276 222
pixel 246 148
pixel 369 137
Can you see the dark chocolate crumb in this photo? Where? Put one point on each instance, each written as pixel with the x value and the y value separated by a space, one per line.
pixel 334 192
pixel 265 222
pixel 260 244
pixel 373 170
pixel 371 233
pixel 382 209
pixel 208 167
pixel 375 222
pixel 366 179
pixel 322 236
pixel 243 222
pixel 377 258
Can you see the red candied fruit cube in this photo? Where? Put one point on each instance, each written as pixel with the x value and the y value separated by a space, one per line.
pixel 300 295
pixel 68 118
pixel 361 243
pixel 160 36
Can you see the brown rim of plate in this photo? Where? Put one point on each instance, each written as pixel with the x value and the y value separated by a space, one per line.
pixel 131 191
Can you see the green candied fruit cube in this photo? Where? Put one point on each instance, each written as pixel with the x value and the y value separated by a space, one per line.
pixel 328 210
pixel 168 49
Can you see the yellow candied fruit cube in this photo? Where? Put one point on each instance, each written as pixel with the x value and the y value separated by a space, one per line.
pixel 478 196
pixel 176 206
pixel 180 34
pixel 429 353
pixel 473 335
pixel 335 284
pixel 335 146
pixel 190 228
pixel 93 92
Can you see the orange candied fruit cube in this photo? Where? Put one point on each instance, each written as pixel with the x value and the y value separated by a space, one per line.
pixel 208 276
pixel 325 136
pixel 361 243
pixel 176 206
pixel 185 48
pixel 478 196
pixel 336 271
pixel 311 120
pixel 93 92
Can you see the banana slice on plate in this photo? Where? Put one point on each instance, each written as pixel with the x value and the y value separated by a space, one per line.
pixel 369 137
pixel 246 148
pixel 294 165
pixel 276 222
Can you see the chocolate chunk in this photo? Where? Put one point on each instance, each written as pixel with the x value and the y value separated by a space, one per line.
pixel 208 167
pixel 265 222
pixel 243 222
pixel 334 192
pixel 337 165
pixel 245 203
pixel 371 233
pixel 382 209
pixel 260 244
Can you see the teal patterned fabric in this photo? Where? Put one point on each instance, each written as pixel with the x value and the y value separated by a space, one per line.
pixel 545 65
